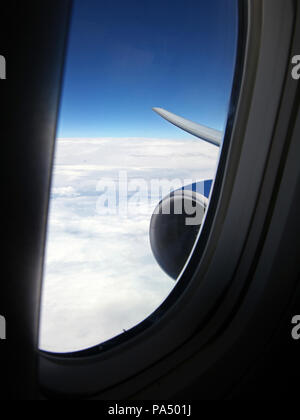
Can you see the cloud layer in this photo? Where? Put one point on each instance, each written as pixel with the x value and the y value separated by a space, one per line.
pixel 100 274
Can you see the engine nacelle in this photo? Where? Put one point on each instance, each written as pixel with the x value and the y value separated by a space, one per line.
pixel 174 227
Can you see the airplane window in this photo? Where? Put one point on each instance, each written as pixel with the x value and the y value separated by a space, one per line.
pixel 143 110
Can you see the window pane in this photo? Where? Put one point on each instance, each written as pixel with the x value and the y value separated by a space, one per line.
pixel 116 158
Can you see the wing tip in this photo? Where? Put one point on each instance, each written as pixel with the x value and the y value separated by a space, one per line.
pixel 204 133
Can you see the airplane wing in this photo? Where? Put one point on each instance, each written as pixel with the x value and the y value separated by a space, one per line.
pixel 204 133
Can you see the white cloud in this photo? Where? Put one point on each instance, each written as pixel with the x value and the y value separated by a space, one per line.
pixel 64 192
pixel 100 274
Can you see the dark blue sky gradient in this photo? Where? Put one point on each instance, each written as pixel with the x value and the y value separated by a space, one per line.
pixel 124 57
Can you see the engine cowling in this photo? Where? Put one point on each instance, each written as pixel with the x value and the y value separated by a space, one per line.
pixel 174 226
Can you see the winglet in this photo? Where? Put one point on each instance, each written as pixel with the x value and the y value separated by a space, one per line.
pixel 205 133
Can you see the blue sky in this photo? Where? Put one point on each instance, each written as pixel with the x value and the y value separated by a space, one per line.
pixel 124 57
